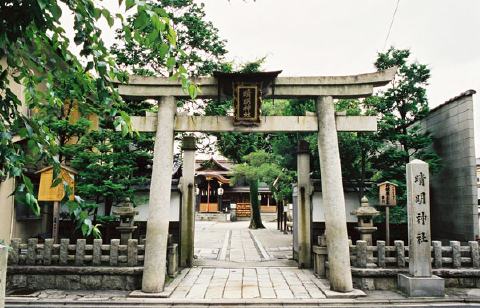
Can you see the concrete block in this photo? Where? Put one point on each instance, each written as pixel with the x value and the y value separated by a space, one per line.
pixel 433 286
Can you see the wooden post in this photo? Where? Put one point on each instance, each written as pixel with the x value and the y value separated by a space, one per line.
pixel 56 221
pixel 387 225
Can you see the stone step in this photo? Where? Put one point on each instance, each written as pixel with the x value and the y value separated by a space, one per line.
pixel 141 303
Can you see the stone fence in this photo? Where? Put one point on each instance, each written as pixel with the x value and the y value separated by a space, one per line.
pixel 69 266
pixel 79 254
pixel 376 267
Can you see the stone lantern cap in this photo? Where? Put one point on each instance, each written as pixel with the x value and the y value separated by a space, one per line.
pixel 126 209
pixel 365 210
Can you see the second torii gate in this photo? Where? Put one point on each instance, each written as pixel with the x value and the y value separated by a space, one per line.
pixel 326 123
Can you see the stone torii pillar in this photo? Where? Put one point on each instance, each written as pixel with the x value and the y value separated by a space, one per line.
pixel 333 198
pixel 187 229
pixel 159 203
pixel 304 205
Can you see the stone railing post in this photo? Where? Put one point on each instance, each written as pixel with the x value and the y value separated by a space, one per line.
pixel 47 251
pixel 132 252
pixel 381 253
pixel 361 254
pixel 456 254
pixel 3 273
pixel 437 254
pixel 97 252
pixel 474 254
pixel 13 254
pixel 31 251
pixel 400 251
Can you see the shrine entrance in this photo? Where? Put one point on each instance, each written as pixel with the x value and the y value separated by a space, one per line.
pixel 326 122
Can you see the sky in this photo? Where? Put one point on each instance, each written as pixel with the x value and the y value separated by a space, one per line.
pixel 343 37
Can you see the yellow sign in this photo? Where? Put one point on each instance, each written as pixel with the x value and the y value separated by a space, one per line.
pixel 48 193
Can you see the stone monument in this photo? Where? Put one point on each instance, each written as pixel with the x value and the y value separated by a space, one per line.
pixel 419 282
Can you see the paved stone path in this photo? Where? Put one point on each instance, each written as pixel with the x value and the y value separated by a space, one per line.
pixel 234 242
pixel 234 262
pixel 241 283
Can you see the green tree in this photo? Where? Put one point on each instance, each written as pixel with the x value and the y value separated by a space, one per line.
pixel 35 53
pixel 258 166
pixel 200 47
pixel 400 138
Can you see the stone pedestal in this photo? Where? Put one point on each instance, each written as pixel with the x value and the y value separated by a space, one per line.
pixel 432 286
pixel 3 273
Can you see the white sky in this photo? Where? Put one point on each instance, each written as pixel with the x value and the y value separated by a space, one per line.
pixel 342 37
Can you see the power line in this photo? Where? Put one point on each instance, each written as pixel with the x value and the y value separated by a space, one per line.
pixel 391 24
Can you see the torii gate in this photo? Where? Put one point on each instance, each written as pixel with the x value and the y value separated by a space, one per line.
pixel 324 89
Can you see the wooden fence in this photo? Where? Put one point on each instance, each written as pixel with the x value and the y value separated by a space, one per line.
pixel 79 254
pixel 382 256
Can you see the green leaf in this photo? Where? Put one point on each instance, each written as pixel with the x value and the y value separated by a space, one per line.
pixel 28 183
pixel 129 4
pixel 108 17
pixel 171 63
pixel 192 91
pixel 163 50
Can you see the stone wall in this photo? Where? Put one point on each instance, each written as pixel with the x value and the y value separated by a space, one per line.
pixel 454 202
pixel 73 278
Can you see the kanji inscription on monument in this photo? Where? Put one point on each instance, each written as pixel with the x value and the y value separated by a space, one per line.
pixel 418 208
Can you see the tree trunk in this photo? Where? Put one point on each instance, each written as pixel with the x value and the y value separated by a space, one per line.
pixel 255 218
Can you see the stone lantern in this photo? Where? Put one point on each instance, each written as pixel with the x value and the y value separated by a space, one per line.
pixel 365 214
pixel 126 212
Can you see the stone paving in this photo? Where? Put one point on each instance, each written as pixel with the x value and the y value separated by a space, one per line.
pixel 262 268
